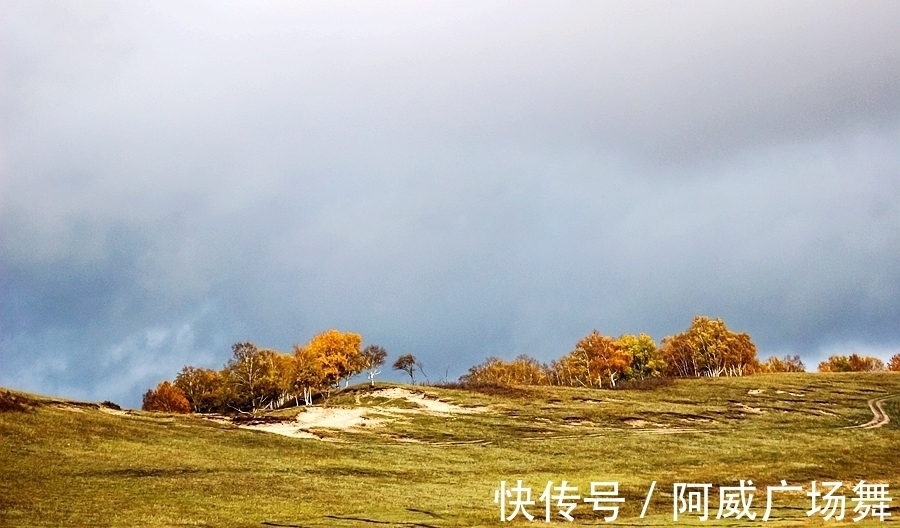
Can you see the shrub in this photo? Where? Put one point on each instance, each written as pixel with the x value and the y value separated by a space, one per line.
pixel 166 398
pixel 9 402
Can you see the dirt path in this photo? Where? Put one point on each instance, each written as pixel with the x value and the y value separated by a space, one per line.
pixel 880 418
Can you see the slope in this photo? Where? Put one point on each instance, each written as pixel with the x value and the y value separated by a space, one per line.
pixel 74 464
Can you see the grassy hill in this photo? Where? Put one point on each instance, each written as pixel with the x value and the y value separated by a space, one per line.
pixel 74 464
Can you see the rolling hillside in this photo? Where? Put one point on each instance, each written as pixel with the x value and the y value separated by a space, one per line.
pixel 430 457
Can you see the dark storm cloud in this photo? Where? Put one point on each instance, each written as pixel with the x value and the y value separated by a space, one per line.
pixel 452 181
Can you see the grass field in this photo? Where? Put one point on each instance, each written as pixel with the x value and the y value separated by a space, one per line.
pixel 69 464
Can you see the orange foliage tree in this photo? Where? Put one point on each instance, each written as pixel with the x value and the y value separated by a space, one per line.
pixel 595 358
pixel 851 363
pixel 166 398
pixel 708 348
pixel 894 363
pixel 258 378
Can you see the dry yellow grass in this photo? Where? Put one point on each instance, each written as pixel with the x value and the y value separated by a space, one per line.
pixel 69 464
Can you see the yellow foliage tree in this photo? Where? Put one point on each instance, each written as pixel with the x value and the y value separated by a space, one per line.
pixel 338 356
pixel 595 358
pixel 253 374
pixel 569 371
pixel 307 374
pixel 202 387
pixel 283 367
pixel 708 348
pixel 851 363
pixel 646 359
pixel 786 364
pixel 523 370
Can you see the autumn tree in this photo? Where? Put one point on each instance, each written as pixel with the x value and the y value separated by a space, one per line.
pixel 407 363
pixel 679 356
pixel 894 363
pixel 306 377
pixel 337 354
pixel 595 358
pixel 568 371
pixel 708 348
pixel 492 370
pixel 202 387
pixel 372 358
pixel 836 364
pixel 606 357
pixel 865 363
pixel 284 367
pixel 166 398
pixel 252 372
pixel 646 359
pixel 523 370
pixel 788 363
pixel 851 363
pixel 256 378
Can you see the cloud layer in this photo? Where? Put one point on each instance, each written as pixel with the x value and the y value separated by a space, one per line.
pixel 452 181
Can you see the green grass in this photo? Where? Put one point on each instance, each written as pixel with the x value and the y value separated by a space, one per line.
pixel 60 467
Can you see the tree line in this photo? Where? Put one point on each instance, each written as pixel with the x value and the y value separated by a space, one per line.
pixel 261 378
pixel 706 348
pixel 857 363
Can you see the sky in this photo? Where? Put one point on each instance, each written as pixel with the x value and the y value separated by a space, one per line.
pixel 453 180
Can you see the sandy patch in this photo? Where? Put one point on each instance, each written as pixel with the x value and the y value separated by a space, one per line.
pixel 331 418
pixel 755 391
pixel 358 419
pixel 753 410
pixel 429 404
pixel 787 392
pixel 339 418
pixel 70 408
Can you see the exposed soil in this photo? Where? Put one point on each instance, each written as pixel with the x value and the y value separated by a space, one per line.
pixel 358 418
pixel 880 418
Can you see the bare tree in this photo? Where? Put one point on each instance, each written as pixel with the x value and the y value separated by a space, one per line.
pixel 421 368
pixel 407 363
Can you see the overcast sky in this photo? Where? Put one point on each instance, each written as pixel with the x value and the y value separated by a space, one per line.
pixel 453 180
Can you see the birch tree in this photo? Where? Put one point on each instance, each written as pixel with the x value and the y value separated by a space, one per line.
pixel 372 358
